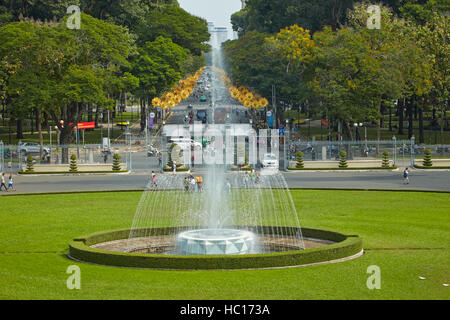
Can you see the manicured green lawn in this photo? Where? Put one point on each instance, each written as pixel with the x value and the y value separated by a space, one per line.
pixel 405 234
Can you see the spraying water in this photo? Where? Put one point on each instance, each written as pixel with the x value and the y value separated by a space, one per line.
pixel 233 213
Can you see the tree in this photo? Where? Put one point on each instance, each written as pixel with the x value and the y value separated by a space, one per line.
pixel 385 162
pixel 271 16
pixel 116 162
pixel 159 65
pixel 30 166
pixel 73 164
pixel 427 162
pixel 184 29
pixel 300 163
pixel 343 160
pixel 433 37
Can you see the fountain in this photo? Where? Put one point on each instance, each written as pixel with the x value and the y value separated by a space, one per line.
pixel 233 218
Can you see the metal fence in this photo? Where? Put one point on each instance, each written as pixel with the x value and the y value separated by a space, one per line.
pixel 140 153
pixel 402 152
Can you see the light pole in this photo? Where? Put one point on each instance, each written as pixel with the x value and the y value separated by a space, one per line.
pixel 129 146
pixel 2 156
pixel 394 143
pixel 50 131
pixel 101 128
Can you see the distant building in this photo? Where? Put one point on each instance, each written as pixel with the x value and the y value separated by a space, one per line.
pixel 218 35
pixel 221 35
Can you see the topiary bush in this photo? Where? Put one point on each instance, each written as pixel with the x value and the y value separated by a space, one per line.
pixel 299 157
pixel 116 163
pixel 30 166
pixel 385 162
pixel 73 164
pixel 343 159
pixel 427 159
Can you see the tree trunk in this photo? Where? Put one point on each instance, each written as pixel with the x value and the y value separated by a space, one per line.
pixel 390 119
pixel 90 115
pixel 31 123
pixel 421 131
pixel 401 106
pixel 19 125
pixel 143 115
pixel 97 116
pixel 409 110
pixel 442 124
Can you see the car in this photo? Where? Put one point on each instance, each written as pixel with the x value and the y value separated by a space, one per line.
pixel 202 116
pixel 203 98
pixel 32 147
pixel 186 143
pixel 270 160
pixel 220 115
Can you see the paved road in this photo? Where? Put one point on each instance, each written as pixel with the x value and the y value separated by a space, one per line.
pixel 438 181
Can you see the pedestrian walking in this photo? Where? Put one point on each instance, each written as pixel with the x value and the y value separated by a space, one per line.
pixel 3 183
pixel 174 167
pixel 406 176
pixel 186 184
pixel 228 187
pixel 257 178
pixel 246 178
pixel 11 183
pixel 154 179
pixel 193 184
pixel 252 176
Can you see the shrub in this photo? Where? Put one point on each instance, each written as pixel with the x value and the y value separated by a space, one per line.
pixel 385 161
pixel 30 167
pixel 343 159
pixel 427 158
pixel 116 162
pixel 299 158
pixel 73 164
pixel 344 246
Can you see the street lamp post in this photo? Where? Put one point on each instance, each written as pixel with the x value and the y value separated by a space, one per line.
pixel 129 146
pixel 394 142
pixel 50 131
pixel 2 156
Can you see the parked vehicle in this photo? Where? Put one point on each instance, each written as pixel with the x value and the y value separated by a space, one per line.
pixel 32 147
pixel 202 116
pixel 270 161
pixel 186 143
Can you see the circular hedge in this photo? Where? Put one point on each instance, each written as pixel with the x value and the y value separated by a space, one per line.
pixel 345 246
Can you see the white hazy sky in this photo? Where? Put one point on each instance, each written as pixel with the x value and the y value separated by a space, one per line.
pixel 217 11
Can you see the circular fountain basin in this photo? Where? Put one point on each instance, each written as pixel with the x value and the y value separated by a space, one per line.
pixel 215 242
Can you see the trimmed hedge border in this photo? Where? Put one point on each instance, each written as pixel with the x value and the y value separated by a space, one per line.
pixel 432 167
pixel 345 246
pixel 184 169
pixel 66 172
pixel 343 169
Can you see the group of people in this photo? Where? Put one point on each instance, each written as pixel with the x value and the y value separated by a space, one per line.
pixel 193 184
pixel 10 183
pixel 251 179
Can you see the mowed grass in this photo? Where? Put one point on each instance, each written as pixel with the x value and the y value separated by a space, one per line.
pixel 405 234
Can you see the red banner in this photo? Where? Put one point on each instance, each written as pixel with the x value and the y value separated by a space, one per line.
pixel 84 125
pixel 325 123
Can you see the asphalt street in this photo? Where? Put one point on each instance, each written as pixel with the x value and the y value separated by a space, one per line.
pixel 419 180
